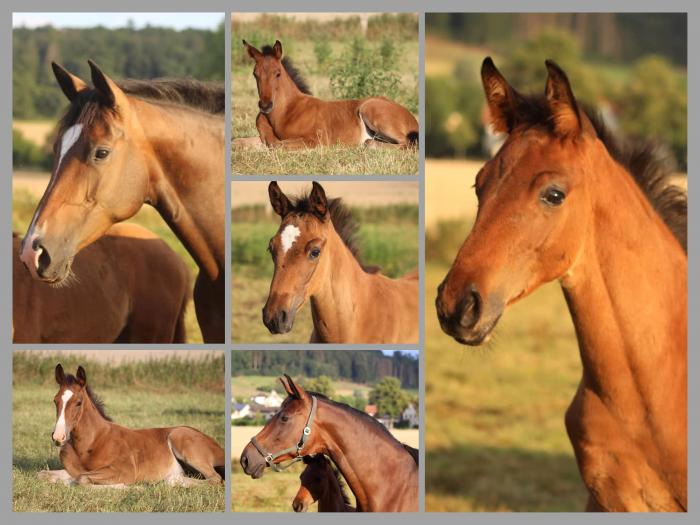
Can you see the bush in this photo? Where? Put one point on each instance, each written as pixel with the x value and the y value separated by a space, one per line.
pixel 323 52
pixel 26 154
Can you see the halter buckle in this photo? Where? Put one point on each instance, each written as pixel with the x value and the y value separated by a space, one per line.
pixel 268 459
pixel 307 431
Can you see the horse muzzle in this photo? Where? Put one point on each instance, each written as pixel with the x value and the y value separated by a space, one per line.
pixel 280 321
pixel 299 505
pixel 41 262
pixel 469 319
pixel 265 107
pixel 252 462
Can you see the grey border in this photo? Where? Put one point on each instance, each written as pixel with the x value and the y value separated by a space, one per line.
pixel 320 6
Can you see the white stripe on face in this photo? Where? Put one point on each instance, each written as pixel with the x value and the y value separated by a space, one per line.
pixel 288 237
pixel 59 432
pixel 70 137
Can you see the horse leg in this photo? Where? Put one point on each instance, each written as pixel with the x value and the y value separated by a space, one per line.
pixel 56 476
pixel 389 124
pixel 108 476
pixel 199 451
pixel 267 134
pixel 209 307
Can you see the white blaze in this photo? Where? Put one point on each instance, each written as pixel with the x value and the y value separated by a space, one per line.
pixel 60 429
pixel 69 138
pixel 289 236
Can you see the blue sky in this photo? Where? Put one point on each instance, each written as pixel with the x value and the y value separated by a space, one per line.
pixel 115 20
pixel 414 353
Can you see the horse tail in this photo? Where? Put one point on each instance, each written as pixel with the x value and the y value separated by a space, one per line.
pixel 412 138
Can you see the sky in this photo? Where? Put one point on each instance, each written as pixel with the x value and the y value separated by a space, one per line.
pixel 115 20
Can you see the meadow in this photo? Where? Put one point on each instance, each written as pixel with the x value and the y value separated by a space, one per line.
pixel 27 190
pixel 495 435
pixel 387 236
pixel 146 393
pixel 320 49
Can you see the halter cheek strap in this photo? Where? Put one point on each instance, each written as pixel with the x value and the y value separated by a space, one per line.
pixel 270 457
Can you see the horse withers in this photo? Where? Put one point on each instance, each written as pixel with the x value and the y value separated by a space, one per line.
pixel 290 117
pixel 316 258
pixel 120 145
pixel 564 200
pixel 128 286
pixel 381 473
pixel 97 451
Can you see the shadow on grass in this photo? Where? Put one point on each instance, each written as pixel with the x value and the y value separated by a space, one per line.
pixel 504 479
pixel 34 464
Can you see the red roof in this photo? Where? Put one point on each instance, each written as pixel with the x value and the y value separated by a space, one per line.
pixel 371 410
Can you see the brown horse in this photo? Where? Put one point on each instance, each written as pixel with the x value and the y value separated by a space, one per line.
pixel 316 258
pixel 321 482
pixel 382 475
pixel 126 287
pixel 290 117
pixel 96 451
pixel 564 200
pixel 159 142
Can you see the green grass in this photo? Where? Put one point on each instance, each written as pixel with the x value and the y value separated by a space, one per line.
pixel 274 492
pixel 172 397
pixel 388 238
pixel 495 435
pixel 24 204
pixel 325 160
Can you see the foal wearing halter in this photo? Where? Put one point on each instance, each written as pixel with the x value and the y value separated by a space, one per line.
pixel 96 451
pixel 561 200
pixel 382 475
pixel 321 482
pixel 159 142
pixel 315 258
pixel 291 118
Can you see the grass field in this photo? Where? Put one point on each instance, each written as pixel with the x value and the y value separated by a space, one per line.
pixel 27 190
pixel 388 237
pixel 148 393
pixel 275 491
pixel 327 160
pixel 495 436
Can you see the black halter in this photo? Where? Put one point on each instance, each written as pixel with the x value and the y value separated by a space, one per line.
pixel 271 457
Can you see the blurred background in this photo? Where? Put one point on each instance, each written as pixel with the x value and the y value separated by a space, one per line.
pixel 495 435
pixel 381 383
pixel 125 45
pixel 387 217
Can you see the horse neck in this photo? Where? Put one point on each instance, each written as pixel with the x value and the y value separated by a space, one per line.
pixel 627 294
pixel 89 426
pixel 187 178
pixel 287 97
pixel 354 446
pixel 333 499
pixel 341 296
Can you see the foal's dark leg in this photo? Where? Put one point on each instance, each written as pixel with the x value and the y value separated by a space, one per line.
pixel 209 307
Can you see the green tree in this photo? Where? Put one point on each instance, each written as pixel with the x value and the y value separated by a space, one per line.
pixel 389 397
pixel 322 385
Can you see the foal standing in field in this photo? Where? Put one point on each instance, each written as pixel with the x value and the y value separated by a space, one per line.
pixel 564 200
pixel 120 146
pixel 321 482
pixel 96 451
pixel 292 118
pixel 315 258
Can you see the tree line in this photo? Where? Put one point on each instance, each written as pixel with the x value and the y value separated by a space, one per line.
pixel 358 366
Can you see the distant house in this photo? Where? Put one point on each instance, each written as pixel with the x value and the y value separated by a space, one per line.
pixel 240 410
pixel 271 400
pixel 410 416
pixel 371 410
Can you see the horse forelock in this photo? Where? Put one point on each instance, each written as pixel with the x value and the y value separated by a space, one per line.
pixel 71 380
pixel 291 70
pixel 645 160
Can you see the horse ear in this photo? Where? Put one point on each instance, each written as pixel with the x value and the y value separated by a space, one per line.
pixel 113 95
pixel 300 392
pixel 69 83
pixel 277 48
pixel 501 98
pixel 318 201
pixel 280 202
pixel 567 118
pixel 59 374
pixel 253 52
pixel 286 383
pixel 81 376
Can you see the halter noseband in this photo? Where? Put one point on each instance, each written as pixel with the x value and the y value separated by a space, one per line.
pixel 271 457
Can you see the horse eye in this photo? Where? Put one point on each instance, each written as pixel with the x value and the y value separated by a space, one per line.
pixel 101 153
pixel 284 418
pixel 279 73
pixel 553 196
pixel 314 254
pixel 79 403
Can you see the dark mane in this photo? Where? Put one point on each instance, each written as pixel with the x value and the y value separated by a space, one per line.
pixel 90 107
pixel 99 405
pixel 343 222
pixel 309 460
pixel 292 71
pixel 647 162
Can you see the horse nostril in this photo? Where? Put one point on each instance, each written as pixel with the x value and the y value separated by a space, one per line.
pixel 244 462
pixel 471 308
pixel 283 317
pixel 44 259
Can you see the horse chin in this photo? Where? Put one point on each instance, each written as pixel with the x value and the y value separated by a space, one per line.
pixel 258 472
pixel 475 336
